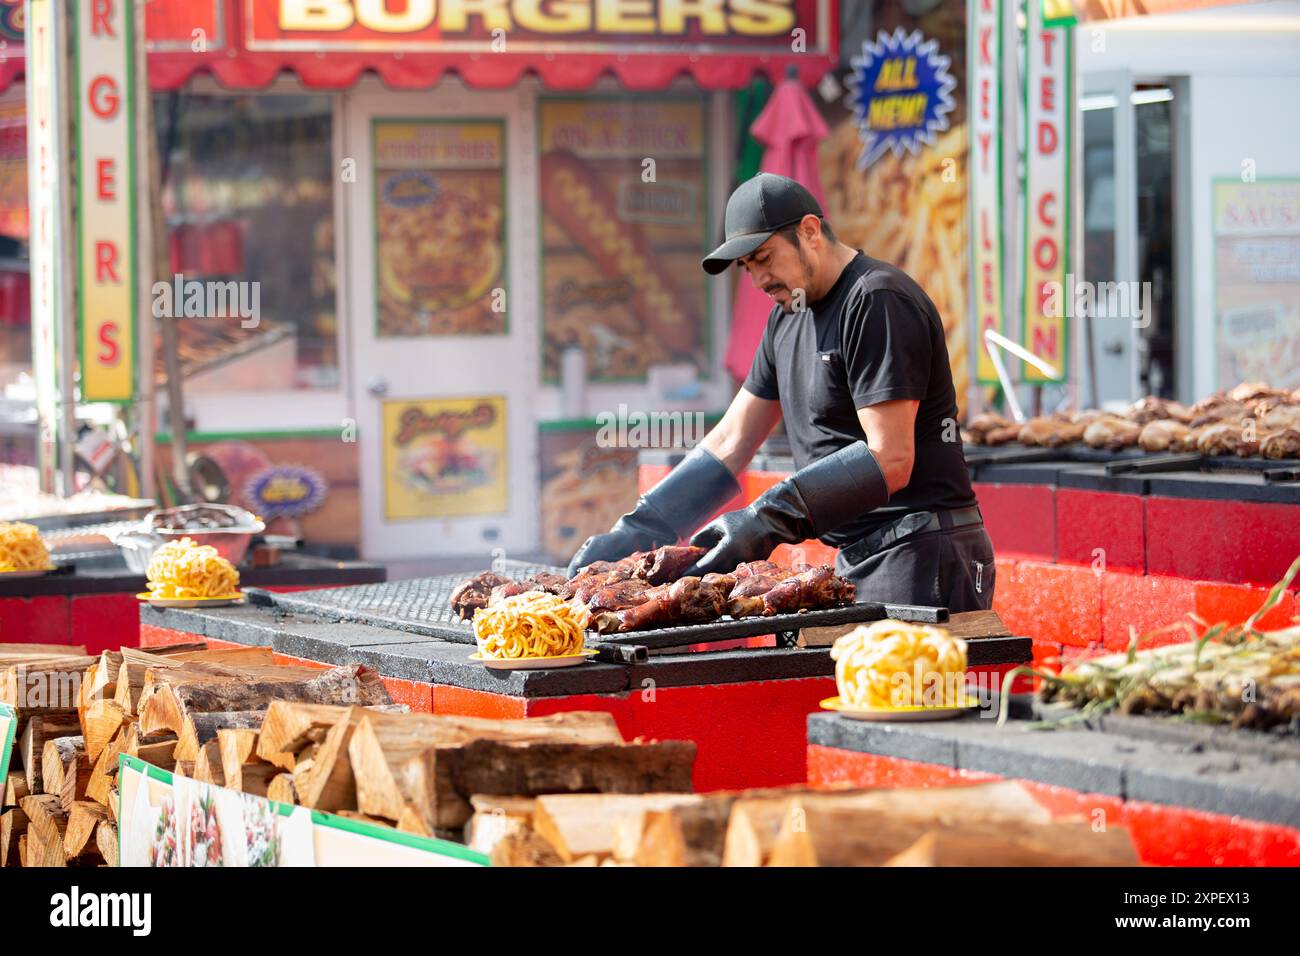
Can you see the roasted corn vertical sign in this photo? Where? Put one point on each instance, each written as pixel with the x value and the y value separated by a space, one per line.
pixel 984 109
pixel 1049 110
pixel 104 77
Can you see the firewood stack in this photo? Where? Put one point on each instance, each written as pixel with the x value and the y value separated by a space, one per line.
pixel 997 824
pixel 328 738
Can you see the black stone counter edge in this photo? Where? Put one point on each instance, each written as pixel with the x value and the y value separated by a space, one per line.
pixel 1231 784
pixel 1209 486
pixel 67 584
pixel 413 657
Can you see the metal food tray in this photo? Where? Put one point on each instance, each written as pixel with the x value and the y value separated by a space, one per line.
pixel 1127 459
pixel 422 606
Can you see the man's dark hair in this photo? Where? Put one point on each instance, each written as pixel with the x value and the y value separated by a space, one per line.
pixel 790 232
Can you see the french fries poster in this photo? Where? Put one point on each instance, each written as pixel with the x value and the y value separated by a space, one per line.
pixel 444 457
pixel 894 167
pixel 623 229
pixel 440 246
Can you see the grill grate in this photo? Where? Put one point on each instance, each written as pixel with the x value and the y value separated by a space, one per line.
pixel 421 606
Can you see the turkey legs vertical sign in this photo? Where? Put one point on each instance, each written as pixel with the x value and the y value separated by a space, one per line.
pixel 106 209
pixel 1048 115
pixel 984 66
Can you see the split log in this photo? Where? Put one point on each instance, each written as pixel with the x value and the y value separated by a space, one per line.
pixel 692 834
pixel 185 768
pixel 426 761
pixel 100 722
pixel 99 681
pixel 521 846
pixel 199 728
pixel 65 770
pixel 354 815
pixel 262 655
pixel 39 729
pixel 288 727
pixel 13 824
pixel 106 840
pixel 43 685
pixel 16 653
pixel 79 837
pixel 207 765
pixel 757 820
pixel 236 746
pixel 22 850
pixel 412 820
pixel 46 823
pixel 581 824
pixel 170 694
pixel 114 805
pixel 104 774
pixel 159 749
pixel 330 785
pixel 281 789
pixel 493 818
pixel 850 836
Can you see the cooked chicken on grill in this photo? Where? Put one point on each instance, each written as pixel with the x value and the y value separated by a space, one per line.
pixel 1112 433
pixel 746 598
pixel 979 426
pixel 1281 444
pixel 1151 409
pixel 1227 439
pixel 1278 416
pixel 1002 436
pixel 1049 432
pixel 1254 391
pixel 619 595
pixel 1215 412
pixel 1165 434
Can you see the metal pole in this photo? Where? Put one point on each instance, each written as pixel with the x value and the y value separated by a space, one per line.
pixel 146 407
pixel 65 234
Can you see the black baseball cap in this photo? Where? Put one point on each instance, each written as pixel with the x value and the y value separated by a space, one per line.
pixel 758 208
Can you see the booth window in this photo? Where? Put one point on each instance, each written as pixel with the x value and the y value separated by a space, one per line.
pixel 248 196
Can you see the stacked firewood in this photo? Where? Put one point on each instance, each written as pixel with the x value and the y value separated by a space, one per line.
pixel 1248 420
pixel 328 738
pixel 997 824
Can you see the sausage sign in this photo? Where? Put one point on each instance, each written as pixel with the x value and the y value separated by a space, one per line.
pixel 106 255
pixel 1049 112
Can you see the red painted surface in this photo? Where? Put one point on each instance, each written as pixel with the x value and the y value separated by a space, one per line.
pixel 748 734
pixel 417 696
pixel 1144 603
pixel 1233 541
pixel 105 622
pixel 291 661
pixel 1021 519
pixel 1056 604
pixel 35 620
pixel 478 703
pixel 1235 603
pixel 1100 529
pixel 1163 835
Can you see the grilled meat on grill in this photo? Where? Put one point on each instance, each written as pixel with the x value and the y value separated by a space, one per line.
pixel 816 587
pixel 475 593
pixel 1281 444
pixel 686 601
pixel 1226 438
pixel 1112 433
pixel 1165 434
pixel 668 563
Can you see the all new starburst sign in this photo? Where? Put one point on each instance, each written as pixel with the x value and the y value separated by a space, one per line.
pixel 901 94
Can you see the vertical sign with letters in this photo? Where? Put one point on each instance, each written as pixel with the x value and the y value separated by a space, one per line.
pixel 1049 114
pixel 106 266
pixel 984 66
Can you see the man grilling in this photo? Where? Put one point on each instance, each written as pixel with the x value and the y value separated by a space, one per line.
pixel 854 359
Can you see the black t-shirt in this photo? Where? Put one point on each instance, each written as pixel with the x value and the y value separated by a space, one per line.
pixel 874 337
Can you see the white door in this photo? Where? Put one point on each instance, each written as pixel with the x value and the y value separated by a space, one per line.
pixel 1110 231
pixel 442 317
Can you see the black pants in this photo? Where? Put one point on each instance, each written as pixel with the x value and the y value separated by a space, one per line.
pixel 952 569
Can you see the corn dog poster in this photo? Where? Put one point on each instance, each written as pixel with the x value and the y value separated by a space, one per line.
pixel 440 243
pixel 623 229
pixel 895 165
pixel 1048 104
pixel 444 457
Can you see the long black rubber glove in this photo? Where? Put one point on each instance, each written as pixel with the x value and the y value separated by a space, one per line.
pixel 811 502
pixel 690 493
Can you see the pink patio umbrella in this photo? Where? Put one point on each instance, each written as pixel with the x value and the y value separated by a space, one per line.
pixel 790 128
